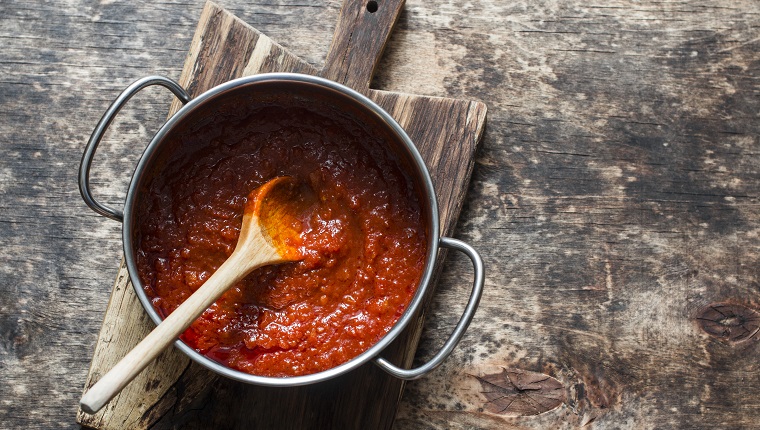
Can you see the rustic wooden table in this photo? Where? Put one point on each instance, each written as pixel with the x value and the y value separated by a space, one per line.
pixel 614 200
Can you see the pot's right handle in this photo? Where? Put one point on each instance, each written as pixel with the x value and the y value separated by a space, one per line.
pixel 100 129
pixel 464 321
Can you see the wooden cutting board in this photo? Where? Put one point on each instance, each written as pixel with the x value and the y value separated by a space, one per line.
pixel 174 392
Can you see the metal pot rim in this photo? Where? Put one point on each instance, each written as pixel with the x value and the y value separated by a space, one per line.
pixel 361 101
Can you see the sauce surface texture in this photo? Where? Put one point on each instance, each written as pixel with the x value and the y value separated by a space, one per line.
pixel 364 240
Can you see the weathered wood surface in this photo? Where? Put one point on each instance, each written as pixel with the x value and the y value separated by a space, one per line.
pixel 445 130
pixel 615 199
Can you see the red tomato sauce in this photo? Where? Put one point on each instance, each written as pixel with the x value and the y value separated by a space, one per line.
pixel 365 242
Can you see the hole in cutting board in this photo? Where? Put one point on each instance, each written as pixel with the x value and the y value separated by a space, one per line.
pixel 372 6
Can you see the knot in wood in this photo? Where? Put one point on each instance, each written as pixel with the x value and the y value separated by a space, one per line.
pixel 730 322
pixel 517 392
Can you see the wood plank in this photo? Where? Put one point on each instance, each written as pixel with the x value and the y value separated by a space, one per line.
pixel 225 48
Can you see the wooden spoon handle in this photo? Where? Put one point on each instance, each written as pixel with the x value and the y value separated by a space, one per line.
pixel 234 269
pixel 359 39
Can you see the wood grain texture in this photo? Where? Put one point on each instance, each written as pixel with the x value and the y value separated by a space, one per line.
pixel 615 198
pixel 445 130
pixel 353 54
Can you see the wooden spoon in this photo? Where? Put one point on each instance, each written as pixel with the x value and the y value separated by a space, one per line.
pixel 270 234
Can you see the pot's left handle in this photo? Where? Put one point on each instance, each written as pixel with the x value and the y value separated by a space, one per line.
pixel 464 321
pixel 97 135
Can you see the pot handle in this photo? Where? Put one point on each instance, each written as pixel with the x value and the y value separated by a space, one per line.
pixel 464 321
pixel 97 135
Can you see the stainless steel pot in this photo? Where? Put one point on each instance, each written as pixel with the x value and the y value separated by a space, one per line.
pixel 304 86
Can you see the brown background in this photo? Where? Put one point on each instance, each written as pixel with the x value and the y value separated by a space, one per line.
pixel 614 199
